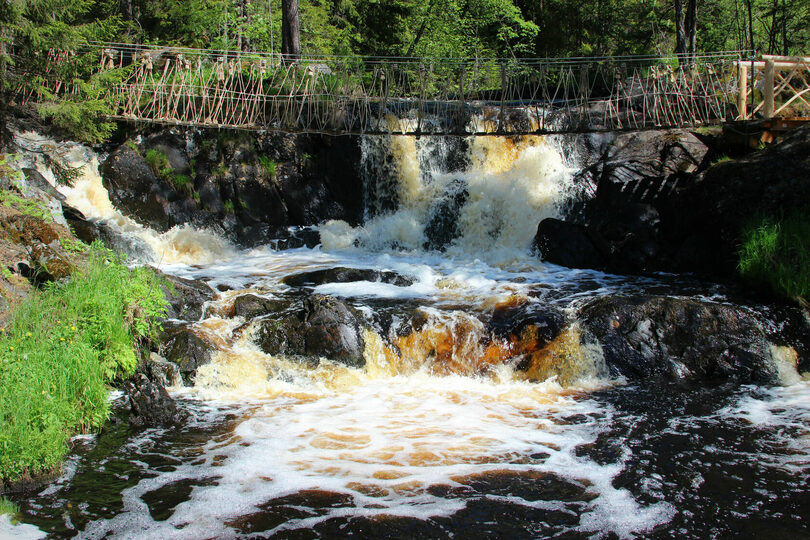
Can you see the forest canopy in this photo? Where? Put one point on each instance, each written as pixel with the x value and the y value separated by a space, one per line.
pixel 446 28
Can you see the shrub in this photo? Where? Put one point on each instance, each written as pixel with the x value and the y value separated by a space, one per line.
pixel 61 348
pixel 775 255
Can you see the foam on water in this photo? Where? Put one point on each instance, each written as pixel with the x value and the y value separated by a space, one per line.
pixel 511 185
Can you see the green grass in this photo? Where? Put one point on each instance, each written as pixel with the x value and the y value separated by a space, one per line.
pixel 229 208
pixel 7 507
pixel 59 351
pixel 268 165
pixel 775 255
pixel 159 163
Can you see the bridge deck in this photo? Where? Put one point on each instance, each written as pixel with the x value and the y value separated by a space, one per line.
pixel 430 96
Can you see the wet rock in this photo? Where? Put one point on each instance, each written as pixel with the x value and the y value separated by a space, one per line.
pixel 161 371
pixel 322 326
pixel 442 225
pixel 346 275
pixel 250 306
pixel 85 230
pixel 566 244
pixel 512 318
pixel 678 338
pixel 186 296
pixel 188 351
pixel 135 190
pixel 134 247
pixel 150 404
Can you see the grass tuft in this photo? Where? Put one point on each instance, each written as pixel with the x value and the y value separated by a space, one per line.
pixel 268 165
pixel 59 351
pixel 775 255
pixel 8 507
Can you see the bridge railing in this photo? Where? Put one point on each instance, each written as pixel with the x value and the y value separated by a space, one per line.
pixel 332 94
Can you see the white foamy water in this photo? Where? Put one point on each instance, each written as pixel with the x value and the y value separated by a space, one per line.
pixel 511 185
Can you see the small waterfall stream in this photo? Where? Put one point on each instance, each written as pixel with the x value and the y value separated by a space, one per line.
pixel 445 430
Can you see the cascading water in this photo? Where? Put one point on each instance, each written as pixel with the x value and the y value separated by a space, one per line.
pixel 448 428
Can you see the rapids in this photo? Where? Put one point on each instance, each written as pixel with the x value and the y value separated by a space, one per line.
pixel 437 435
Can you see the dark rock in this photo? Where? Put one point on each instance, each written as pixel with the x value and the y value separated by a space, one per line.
pixel 628 238
pixel 678 338
pixel 161 371
pixel 186 296
pixel 189 351
pixel 346 275
pixel 566 244
pixel 442 225
pixel 322 326
pixel 772 182
pixel 150 404
pixel 250 306
pixel 513 318
pixel 135 190
pixel 333 331
pixel 85 230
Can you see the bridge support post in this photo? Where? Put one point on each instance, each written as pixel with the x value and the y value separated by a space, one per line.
pixel 742 98
pixel 767 91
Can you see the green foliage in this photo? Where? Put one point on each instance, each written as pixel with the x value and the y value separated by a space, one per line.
pixel 268 165
pixel 229 208
pixel 159 163
pixel 7 507
pixel 132 145
pixel 62 346
pixel 775 255
pixel 28 207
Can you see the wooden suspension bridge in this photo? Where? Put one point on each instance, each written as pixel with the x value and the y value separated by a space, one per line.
pixel 434 96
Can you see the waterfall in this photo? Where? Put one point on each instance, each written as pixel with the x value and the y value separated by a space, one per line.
pixel 477 197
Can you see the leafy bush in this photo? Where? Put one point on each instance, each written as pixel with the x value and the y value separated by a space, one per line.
pixel 775 255
pixel 61 348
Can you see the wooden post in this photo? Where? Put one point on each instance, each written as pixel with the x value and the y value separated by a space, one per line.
pixel 742 99
pixel 767 91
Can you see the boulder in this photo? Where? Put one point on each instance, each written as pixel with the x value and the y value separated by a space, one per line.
pixel 150 404
pixel 346 275
pixel 679 338
pixel 322 326
pixel 566 244
pixel 136 191
pixel 251 306
pixel 188 351
pixel 186 296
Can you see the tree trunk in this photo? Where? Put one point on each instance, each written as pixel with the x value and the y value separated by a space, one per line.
pixel 751 25
pixel 691 30
pixel 680 31
pixel 290 38
pixel 126 9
